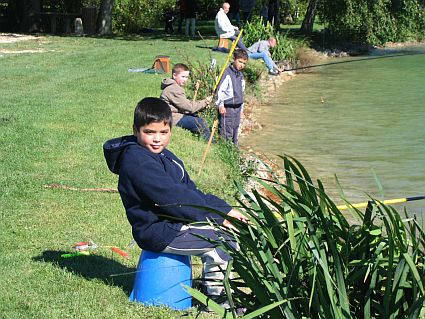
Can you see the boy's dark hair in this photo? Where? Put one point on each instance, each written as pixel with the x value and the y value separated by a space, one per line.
pixel 152 109
pixel 179 67
pixel 240 54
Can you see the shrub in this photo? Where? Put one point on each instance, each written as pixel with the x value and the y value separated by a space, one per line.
pixel 302 258
pixel 131 16
pixel 374 21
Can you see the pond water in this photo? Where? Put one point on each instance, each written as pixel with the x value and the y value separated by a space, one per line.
pixel 355 120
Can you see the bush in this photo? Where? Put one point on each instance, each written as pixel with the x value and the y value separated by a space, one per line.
pixel 374 21
pixel 132 16
pixel 300 257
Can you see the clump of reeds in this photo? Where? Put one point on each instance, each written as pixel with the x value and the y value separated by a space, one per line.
pixel 300 257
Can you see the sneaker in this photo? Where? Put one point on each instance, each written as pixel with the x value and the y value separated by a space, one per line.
pixel 273 72
pixel 240 311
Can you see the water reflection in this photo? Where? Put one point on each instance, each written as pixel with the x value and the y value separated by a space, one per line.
pixel 354 120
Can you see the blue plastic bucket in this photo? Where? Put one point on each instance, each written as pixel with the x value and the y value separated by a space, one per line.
pixel 159 280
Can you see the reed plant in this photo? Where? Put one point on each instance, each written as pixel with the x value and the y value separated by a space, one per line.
pixel 301 257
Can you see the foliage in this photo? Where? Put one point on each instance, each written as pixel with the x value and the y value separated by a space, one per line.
pixel 374 21
pixel 253 72
pixel 256 30
pixel 132 16
pixel 300 250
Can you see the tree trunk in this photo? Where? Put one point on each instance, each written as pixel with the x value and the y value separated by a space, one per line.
pixel 274 14
pixel 308 22
pixel 104 18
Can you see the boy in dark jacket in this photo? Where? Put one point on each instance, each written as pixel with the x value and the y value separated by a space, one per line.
pixel 230 96
pixel 156 189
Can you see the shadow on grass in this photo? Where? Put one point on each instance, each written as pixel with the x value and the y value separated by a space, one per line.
pixel 111 272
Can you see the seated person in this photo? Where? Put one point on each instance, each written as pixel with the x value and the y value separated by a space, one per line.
pixel 182 108
pixel 163 205
pixel 260 50
pixel 225 29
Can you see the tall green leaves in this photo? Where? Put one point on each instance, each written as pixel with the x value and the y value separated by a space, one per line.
pixel 300 251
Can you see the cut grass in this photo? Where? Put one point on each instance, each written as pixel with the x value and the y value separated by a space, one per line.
pixel 57 109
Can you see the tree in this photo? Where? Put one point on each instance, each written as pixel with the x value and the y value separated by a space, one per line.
pixel 310 15
pixel 104 18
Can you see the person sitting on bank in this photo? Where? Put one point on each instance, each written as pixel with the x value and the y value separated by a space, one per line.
pixel 225 29
pixel 183 109
pixel 166 210
pixel 261 50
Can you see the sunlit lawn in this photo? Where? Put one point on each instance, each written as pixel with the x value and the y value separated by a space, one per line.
pixel 57 108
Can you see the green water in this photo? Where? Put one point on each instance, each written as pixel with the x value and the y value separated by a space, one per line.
pixel 354 120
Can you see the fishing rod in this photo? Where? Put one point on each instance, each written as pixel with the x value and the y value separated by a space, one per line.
pixel 217 81
pixel 351 61
pixel 387 202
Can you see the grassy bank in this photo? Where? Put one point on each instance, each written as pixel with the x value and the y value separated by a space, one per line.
pixel 59 103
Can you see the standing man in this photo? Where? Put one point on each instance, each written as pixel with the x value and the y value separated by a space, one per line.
pixel 183 9
pixel 225 29
pixel 191 17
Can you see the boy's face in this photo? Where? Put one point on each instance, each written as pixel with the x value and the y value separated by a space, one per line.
pixel 181 77
pixel 154 136
pixel 239 63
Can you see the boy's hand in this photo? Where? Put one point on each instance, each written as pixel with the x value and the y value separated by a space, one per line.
pixel 222 110
pixel 209 99
pixel 197 84
pixel 235 214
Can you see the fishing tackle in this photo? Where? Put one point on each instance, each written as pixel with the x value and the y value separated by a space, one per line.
pixel 82 247
pixel 76 254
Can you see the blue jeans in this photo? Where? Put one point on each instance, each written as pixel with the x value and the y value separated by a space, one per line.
pixel 195 124
pixel 265 56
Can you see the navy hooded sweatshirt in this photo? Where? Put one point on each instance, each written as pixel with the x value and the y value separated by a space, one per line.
pixel 155 189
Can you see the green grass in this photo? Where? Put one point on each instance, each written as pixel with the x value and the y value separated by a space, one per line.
pixel 57 108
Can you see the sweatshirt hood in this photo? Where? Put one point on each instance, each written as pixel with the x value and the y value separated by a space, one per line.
pixel 167 82
pixel 113 150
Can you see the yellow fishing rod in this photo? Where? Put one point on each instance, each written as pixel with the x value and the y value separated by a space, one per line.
pixel 217 81
pixel 227 60
pixel 387 202
pixel 364 204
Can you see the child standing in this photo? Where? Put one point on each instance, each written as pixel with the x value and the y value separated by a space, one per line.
pixel 230 96
pixel 160 199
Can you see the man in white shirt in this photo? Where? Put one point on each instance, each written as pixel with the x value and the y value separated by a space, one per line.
pixel 225 29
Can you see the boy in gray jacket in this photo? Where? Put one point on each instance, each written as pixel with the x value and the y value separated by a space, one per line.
pixel 183 109
pixel 230 98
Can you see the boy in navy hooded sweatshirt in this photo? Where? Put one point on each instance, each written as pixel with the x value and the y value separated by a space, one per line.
pixel 156 189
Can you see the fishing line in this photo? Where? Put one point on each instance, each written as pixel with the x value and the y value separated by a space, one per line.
pixel 357 60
